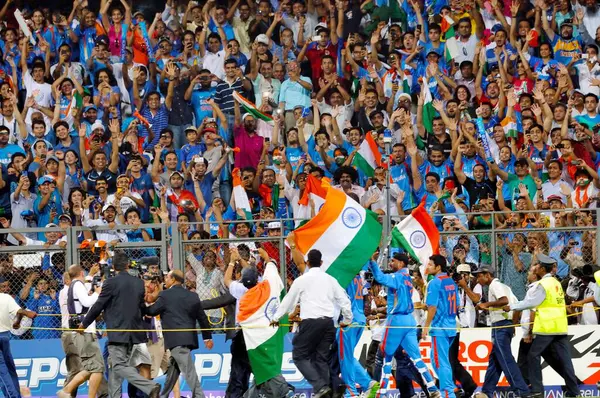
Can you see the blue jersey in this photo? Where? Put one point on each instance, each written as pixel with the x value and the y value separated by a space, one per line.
pixel 442 293
pixel 400 290
pixel 400 174
pixel 357 301
pixel 45 305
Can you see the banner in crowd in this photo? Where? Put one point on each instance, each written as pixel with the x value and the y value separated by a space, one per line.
pixel 41 363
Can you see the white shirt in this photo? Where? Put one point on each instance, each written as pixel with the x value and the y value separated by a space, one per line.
pixel 126 203
pixel 42 93
pixel 106 234
pixel 466 49
pixel 63 298
pixel 13 128
pixel 84 299
pixel 237 290
pixel 8 309
pixel 344 115
pixel 214 62
pixel 317 293
pixel 585 74
pixel 496 291
pixel 466 309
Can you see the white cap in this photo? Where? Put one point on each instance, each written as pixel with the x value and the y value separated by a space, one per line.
pixel 107 205
pixel 463 268
pixel 97 125
pixel 274 225
pixel 262 38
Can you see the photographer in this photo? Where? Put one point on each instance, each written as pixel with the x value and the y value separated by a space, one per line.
pixel 466 301
pixel 79 300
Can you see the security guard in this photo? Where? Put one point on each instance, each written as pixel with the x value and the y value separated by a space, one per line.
pixel 549 327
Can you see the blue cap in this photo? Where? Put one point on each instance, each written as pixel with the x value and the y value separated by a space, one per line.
pixel 87 108
pixel 45 179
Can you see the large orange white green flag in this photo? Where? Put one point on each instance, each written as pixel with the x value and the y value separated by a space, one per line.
pixel 315 190
pixel 368 156
pixel 264 343
pixel 417 234
pixel 344 232
pixel 239 194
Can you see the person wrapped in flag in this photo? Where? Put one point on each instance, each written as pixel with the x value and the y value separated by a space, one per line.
pixel 352 371
pixel 401 332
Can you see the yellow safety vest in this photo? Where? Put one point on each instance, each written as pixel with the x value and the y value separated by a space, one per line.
pixel 551 315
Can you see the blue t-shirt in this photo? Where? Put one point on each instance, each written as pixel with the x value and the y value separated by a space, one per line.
pixel 143 186
pixel 45 305
pixel 43 215
pixel 7 152
pixel 206 185
pixel 442 293
pixel 400 289
pixel 201 108
pixel 316 156
pixel 355 291
pixel 400 176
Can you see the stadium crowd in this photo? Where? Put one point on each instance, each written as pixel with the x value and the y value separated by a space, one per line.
pixel 113 117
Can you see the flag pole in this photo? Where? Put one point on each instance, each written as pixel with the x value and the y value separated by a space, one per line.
pixel 387 220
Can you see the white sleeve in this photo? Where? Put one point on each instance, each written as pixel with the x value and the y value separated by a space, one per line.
pixel 13 307
pixel 341 298
pixel 82 295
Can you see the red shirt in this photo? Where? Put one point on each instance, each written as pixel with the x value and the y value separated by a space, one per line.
pixel 315 54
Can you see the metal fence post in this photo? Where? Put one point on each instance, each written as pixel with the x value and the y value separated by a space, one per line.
pixel 164 248
pixel 597 236
pixel 176 247
pixel 282 257
pixel 493 247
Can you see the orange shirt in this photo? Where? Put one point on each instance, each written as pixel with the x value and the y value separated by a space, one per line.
pixel 140 50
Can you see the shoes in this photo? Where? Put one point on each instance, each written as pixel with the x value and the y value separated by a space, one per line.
pixel 62 394
pixel 323 392
pixel 155 393
pixel 339 393
pixel 435 394
pixel 372 390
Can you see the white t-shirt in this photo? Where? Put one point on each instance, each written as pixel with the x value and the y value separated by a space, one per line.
pixel 497 290
pixel 42 93
pixel 83 298
pixel 126 203
pixel 214 62
pixel 466 309
pixel 63 297
pixel 8 309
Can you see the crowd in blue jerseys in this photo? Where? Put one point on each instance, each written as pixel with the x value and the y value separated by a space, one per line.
pixel 113 116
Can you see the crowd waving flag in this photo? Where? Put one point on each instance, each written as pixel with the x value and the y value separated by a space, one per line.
pixel 315 190
pixel 344 232
pixel 417 235
pixel 264 343
pixel 251 108
pixel 368 157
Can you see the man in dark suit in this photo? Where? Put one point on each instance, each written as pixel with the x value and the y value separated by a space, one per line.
pixel 122 300
pixel 180 309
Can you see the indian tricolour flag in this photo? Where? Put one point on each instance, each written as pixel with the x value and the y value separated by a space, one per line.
pixel 417 235
pixel 344 232
pixel 251 108
pixel 315 190
pixel 368 156
pixel 429 111
pixel 509 125
pixel 447 26
pixel 239 194
pixel 264 343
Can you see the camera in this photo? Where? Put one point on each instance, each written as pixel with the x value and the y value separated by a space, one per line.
pixel 457 277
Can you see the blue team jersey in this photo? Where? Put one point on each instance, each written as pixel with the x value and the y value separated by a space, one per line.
pixel 400 290
pixel 441 293
pixel 355 291
pixel 400 176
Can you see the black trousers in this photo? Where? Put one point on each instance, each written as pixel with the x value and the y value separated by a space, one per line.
pixel 458 370
pixel 239 377
pixel 371 356
pixel 550 359
pixel 555 347
pixel 312 350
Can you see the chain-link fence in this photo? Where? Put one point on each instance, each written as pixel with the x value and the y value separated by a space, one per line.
pixel 506 241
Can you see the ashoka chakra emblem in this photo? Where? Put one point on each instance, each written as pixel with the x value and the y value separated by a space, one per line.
pixel 271 308
pixel 351 218
pixel 418 239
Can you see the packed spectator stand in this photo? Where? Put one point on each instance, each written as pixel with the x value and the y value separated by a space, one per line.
pixel 122 131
